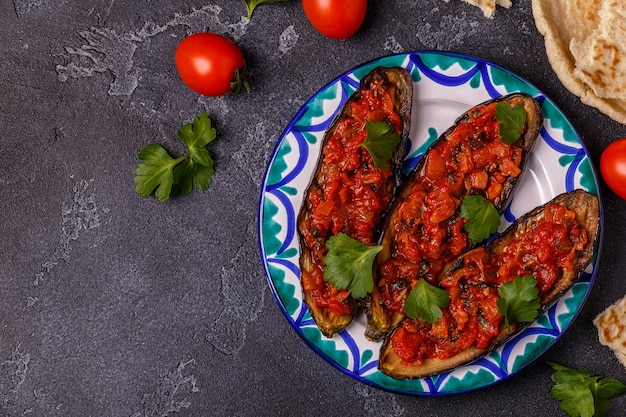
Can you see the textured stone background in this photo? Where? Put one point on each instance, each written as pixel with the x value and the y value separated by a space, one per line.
pixel 116 305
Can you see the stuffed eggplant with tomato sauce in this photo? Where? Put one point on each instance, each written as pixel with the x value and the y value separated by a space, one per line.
pixel 548 247
pixel 350 189
pixel 424 230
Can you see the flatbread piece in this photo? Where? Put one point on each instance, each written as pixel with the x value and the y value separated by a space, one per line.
pixel 611 324
pixel 586 46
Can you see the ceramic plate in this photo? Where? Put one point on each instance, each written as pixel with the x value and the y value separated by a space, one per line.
pixel 445 86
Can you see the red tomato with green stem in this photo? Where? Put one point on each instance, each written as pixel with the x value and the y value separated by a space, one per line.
pixel 337 19
pixel 211 64
pixel 613 167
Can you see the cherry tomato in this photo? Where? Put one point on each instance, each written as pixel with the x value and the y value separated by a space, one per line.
pixel 337 19
pixel 613 167
pixel 211 64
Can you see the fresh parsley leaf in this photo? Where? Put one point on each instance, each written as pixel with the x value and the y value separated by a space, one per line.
pixel 380 141
pixel 611 387
pixel 167 177
pixel 155 172
pixel 425 302
pixel 251 5
pixel 197 171
pixel 189 174
pixel 576 399
pixel 519 300
pixel 348 264
pixel 482 217
pixel 581 394
pixel 512 121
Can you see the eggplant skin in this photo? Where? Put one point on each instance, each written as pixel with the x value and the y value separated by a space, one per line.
pixel 398 79
pixel 381 320
pixel 587 209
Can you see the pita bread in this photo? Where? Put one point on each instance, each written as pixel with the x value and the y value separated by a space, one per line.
pixel 611 324
pixel 586 46
pixel 488 6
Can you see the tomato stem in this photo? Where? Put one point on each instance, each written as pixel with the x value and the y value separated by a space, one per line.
pixel 240 80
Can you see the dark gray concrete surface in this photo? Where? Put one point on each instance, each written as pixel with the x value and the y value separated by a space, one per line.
pixel 116 305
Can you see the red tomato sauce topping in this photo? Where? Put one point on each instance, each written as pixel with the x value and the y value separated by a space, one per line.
pixel 350 193
pixel 428 229
pixel 545 249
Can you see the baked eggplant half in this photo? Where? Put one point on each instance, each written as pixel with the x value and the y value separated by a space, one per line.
pixel 351 189
pixel 551 246
pixel 424 230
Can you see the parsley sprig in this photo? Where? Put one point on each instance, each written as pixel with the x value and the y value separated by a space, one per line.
pixel 425 302
pixel 348 264
pixel 581 394
pixel 380 141
pixel 519 300
pixel 512 121
pixel 482 217
pixel 251 5
pixel 166 176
